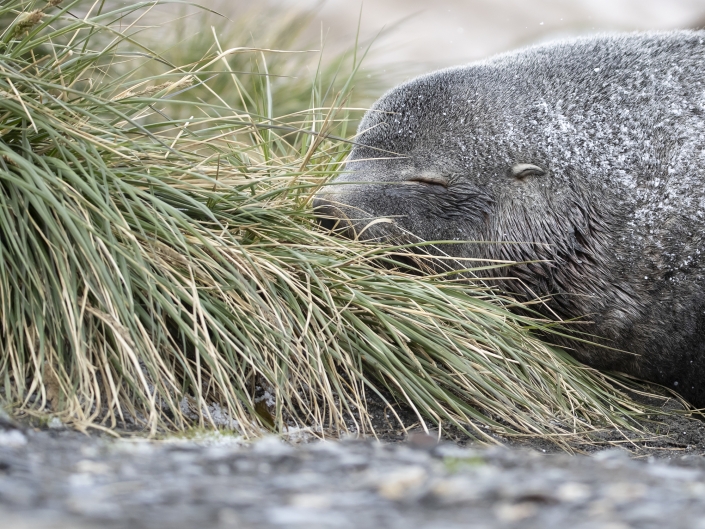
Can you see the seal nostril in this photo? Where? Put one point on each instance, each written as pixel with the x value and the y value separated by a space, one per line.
pixel 327 215
pixel 327 222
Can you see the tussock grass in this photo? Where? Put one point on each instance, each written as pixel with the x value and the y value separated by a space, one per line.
pixel 165 271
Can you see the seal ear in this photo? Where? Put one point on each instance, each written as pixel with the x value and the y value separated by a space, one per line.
pixel 522 170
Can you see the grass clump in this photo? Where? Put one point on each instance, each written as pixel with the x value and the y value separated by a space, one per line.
pixel 165 271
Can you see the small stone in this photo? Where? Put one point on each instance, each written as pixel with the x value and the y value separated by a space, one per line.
pixel 55 423
pixel 133 446
pixel 600 508
pixel 310 501
pixel 644 512
pixel 625 492
pixel 91 451
pixel 229 518
pixel 12 438
pixel 696 490
pixel 399 484
pixel 18 494
pixel 272 446
pixel 515 512
pixel 92 467
pixel 573 492
pixel 674 473
pixel 81 480
pixel 455 490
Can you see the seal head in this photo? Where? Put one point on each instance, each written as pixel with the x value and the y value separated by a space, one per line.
pixel 584 161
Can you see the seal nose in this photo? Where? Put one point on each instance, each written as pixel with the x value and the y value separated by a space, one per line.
pixel 330 217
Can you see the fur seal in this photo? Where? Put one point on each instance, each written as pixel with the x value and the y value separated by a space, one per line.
pixel 585 157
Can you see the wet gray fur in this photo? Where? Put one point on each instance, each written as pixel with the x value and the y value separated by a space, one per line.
pixel 615 126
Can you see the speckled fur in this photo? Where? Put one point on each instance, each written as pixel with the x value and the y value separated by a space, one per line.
pixel 618 124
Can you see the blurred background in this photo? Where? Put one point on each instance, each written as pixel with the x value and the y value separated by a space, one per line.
pixel 425 34
pixel 399 38
pixel 419 35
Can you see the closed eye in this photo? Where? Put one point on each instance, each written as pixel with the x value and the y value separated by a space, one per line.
pixel 522 170
pixel 430 180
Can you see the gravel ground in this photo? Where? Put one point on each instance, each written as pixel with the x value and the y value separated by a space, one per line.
pixel 64 479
